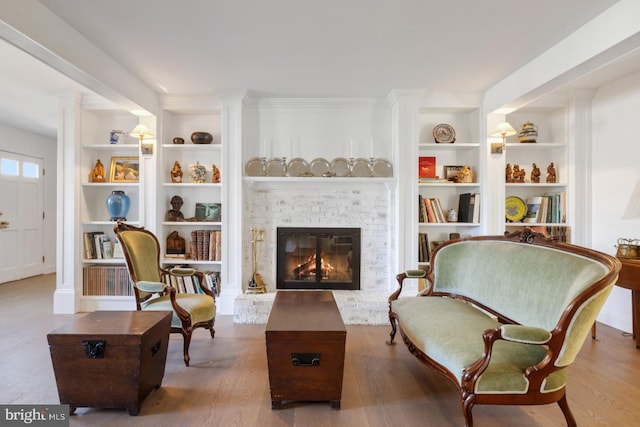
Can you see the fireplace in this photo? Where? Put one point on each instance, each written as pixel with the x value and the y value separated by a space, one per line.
pixel 318 258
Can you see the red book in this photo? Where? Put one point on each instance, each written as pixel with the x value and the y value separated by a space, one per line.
pixel 427 167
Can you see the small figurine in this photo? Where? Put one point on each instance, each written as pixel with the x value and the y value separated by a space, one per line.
pixel 97 174
pixel 465 175
pixel 535 174
pixel 518 174
pixel 508 173
pixel 176 173
pixel 215 177
pixel 551 173
pixel 175 214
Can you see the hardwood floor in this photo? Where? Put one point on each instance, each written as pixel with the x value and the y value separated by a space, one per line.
pixel 227 382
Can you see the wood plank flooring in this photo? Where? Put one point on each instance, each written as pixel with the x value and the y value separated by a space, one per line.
pixel 227 382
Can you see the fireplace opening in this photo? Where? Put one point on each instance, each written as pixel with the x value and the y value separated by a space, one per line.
pixel 318 258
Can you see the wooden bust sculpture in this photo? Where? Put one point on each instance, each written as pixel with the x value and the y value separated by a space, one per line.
pixel 174 214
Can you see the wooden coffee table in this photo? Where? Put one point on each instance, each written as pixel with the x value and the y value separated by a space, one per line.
pixel 305 339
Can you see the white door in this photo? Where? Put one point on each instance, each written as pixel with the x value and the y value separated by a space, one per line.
pixel 21 222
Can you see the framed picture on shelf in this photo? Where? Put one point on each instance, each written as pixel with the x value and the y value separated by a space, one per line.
pixel 208 211
pixel 124 169
pixel 451 172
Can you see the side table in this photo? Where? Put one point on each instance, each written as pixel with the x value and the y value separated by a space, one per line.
pixel 629 278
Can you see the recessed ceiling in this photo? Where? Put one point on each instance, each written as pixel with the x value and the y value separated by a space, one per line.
pixel 292 48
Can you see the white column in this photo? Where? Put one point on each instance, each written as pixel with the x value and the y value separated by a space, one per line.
pixel 68 267
pixel 580 162
pixel 405 134
pixel 232 110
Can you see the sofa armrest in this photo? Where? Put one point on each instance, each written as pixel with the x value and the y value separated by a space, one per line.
pixel 525 334
pixel 408 274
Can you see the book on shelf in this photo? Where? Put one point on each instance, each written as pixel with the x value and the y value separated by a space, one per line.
pixel 430 210
pixel 191 284
pixel 424 252
pixel 106 280
pixel 206 245
pixel 426 167
pixel 533 209
pixel 97 245
pixel 469 208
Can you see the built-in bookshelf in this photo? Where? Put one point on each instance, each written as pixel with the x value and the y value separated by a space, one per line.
pixel 200 224
pixel 547 201
pixel 444 187
pixel 105 146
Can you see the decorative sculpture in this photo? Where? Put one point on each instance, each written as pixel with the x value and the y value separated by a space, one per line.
pixel 535 174
pixel 175 243
pixel 174 214
pixel 176 173
pixel 508 173
pixel 465 175
pixel 97 174
pixel 551 173
pixel 215 176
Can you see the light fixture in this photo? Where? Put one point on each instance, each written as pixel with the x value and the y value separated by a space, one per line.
pixel 504 130
pixel 142 132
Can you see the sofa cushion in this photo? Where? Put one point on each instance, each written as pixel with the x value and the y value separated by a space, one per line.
pixel 427 322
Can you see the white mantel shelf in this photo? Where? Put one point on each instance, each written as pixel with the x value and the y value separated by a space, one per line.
pixel 313 179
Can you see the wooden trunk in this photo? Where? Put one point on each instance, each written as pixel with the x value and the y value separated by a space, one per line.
pixel 110 359
pixel 305 339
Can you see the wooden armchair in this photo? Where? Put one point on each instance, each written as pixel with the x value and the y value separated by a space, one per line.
pixel 190 310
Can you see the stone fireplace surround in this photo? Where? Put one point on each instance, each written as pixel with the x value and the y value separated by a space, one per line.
pixel 366 203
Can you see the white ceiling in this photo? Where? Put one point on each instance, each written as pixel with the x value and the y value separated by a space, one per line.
pixel 342 48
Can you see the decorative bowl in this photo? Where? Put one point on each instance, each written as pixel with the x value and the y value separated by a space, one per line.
pixel 201 138
pixel 178 140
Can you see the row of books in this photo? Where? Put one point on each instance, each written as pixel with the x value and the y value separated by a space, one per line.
pixel 97 245
pixel 424 251
pixel 206 245
pixel 431 211
pixel 112 280
pixel 192 285
pixel 549 208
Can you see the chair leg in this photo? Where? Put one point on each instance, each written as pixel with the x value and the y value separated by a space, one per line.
pixel 185 349
pixel 211 330
pixel 467 406
pixel 564 405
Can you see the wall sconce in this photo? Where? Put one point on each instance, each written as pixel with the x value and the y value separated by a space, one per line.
pixel 142 132
pixel 504 130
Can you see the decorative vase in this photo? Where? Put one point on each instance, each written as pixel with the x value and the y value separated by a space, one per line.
pixel 528 133
pixel 197 173
pixel 201 138
pixel 118 205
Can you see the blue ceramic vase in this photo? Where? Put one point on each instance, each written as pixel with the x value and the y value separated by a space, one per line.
pixel 118 205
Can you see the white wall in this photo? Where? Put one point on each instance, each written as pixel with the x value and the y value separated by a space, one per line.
pixel 31 144
pixel 616 174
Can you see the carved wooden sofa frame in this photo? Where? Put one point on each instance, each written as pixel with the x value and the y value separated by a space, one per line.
pixel 503 317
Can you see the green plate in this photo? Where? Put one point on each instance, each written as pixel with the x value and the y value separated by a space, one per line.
pixel 515 208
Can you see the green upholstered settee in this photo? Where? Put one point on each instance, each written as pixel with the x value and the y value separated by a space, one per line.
pixel 504 316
